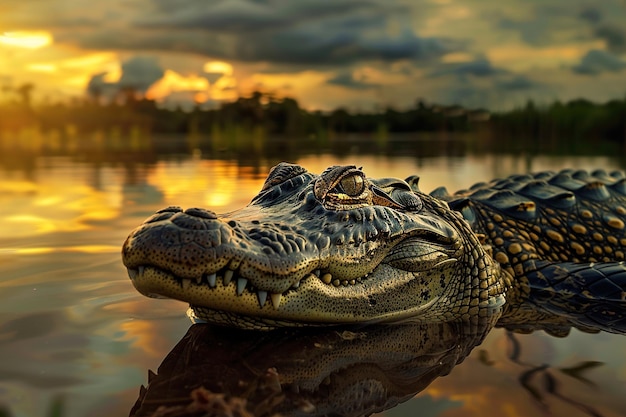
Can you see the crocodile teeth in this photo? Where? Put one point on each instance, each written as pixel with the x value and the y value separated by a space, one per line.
pixel 186 283
pixel 296 285
pixel 327 278
pixel 262 296
pixel 275 297
pixel 199 279
pixel 140 270
pixel 228 276
pixel 241 285
pixel 132 273
pixel 212 278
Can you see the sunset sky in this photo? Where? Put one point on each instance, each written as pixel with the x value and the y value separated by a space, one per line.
pixel 325 53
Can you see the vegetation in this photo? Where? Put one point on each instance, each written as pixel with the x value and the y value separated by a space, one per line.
pixel 573 124
pixel 250 122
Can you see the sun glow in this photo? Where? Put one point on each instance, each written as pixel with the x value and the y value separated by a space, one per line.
pixel 218 67
pixel 41 67
pixel 29 40
pixel 173 82
pixel 215 82
pixel 285 84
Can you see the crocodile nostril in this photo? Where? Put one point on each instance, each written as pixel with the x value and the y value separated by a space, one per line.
pixel 202 213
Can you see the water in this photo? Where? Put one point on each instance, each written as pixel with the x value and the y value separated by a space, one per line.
pixel 75 334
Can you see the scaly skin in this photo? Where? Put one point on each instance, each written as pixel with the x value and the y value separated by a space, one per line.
pixel 562 237
pixel 341 248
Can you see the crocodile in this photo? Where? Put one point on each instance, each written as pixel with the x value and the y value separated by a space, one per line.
pixel 545 250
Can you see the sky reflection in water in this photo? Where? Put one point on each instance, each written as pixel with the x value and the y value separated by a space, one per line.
pixel 72 325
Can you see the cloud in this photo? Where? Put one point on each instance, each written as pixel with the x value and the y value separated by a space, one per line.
pixel 99 87
pixel 480 84
pixel 607 24
pixel 544 24
pixel 557 22
pixel 53 14
pixel 306 33
pixel 517 83
pixel 212 77
pixel 591 14
pixel 348 80
pixel 597 61
pixel 138 74
pixel 494 93
pixel 248 16
pixel 337 46
pixel 416 46
pixel 477 68
pixel 224 16
pixel 615 37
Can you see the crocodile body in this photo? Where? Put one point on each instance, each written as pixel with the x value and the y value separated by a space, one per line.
pixel 545 250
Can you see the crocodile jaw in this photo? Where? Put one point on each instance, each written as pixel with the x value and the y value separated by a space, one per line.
pixel 313 302
pixel 382 279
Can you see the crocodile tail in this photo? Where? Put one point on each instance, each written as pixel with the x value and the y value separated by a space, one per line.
pixel 592 296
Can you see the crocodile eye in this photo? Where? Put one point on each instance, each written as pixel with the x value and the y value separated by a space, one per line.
pixel 352 185
pixel 343 188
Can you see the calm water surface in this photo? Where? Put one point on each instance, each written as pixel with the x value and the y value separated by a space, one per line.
pixel 73 329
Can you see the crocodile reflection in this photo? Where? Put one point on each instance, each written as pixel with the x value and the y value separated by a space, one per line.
pixel 314 372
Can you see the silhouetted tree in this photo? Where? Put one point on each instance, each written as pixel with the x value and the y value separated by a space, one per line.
pixel 25 91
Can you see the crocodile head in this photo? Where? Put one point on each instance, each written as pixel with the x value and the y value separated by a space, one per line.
pixel 336 248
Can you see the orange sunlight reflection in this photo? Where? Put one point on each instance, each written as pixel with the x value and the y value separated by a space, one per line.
pixel 57 205
pixel 30 40
pixel 219 185
pixel 148 336
pixel 143 335
pixel 69 249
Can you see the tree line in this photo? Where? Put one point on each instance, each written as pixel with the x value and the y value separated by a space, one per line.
pixel 574 121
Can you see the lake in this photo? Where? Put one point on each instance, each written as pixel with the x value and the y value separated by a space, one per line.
pixel 75 335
